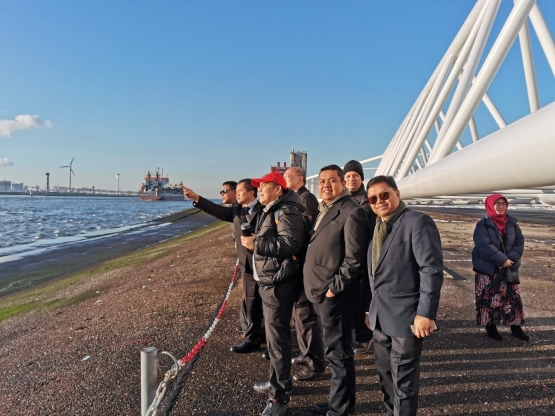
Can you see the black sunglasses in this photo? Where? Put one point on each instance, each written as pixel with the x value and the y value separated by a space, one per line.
pixel 384 196
pixel 225 191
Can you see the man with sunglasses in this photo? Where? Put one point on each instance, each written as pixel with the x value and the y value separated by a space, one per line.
pixel 405 264
pixel 245 210
pixel 227 193
pixel 335 262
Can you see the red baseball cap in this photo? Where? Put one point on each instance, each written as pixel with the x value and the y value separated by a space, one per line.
pixel 270 177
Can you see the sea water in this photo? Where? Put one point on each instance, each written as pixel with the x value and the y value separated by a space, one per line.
pixel 30 221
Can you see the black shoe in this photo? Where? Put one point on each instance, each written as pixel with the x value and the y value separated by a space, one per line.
pixel 517 331
pixel 493 333
pixel 274 408
pixel 264 388
pixel 298 360
pixel 245 347
pixel 266 354
pixel 323 408
pixel 307 375
pixel 361 347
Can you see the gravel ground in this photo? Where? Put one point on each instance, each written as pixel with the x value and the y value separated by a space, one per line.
pixel 85 358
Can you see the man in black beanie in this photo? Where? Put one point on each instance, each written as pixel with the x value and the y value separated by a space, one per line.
pixel 354 177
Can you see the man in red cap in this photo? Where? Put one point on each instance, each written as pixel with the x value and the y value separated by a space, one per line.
pixel 278 246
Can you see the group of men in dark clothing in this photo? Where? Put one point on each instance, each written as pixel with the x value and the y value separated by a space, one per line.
pixel 321 264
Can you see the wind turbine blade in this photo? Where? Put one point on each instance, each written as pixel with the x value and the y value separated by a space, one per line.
pixel 64 166
pixel 71 170
pixel 71 160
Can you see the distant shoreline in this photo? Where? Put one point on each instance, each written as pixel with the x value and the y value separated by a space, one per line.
pixel 68 194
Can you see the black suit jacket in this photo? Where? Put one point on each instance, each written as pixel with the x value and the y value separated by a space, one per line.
pixel 336 255
pixel 235 214
pixel 409 274
pixel 310 202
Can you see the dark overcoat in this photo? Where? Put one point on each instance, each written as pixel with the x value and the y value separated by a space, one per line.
pixel 408 276
pixel 487 255
pixel 336 254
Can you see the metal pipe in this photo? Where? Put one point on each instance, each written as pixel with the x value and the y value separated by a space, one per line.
pixel 473 130
pixel 514 157
pixel 488 102
pixel 149 361
pixel 455 46
pixel 462 56
pixel 528 63
pixel 465 81
pixel 545 38
pixel 490 67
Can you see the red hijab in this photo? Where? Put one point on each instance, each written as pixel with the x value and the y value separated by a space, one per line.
pixel 500 221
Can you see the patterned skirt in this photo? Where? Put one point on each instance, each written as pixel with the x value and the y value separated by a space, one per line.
pixel 497 302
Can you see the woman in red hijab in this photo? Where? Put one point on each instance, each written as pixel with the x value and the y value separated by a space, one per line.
pixel 498 244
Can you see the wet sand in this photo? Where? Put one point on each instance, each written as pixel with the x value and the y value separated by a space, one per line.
pixel 166 296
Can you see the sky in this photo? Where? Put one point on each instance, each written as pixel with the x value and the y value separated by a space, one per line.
pixel 220 90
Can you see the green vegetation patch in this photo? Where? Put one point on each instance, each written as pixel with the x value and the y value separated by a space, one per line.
pixel 50 296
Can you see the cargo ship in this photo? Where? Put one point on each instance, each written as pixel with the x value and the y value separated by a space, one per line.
pixel 157 187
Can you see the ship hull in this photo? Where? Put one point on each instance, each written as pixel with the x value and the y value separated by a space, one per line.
pixel 161 197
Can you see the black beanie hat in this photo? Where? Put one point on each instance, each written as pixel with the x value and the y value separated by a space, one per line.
pixel 353 165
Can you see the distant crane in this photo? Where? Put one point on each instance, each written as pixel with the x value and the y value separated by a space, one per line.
pixel 70 171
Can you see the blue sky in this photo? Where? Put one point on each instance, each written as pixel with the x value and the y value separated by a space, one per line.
pixel 219 90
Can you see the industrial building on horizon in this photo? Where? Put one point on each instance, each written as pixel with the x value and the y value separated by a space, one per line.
pixel 296 159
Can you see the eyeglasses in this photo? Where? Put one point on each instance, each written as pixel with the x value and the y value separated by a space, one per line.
pixel 225 191
pixel 501 204
pixel 384 196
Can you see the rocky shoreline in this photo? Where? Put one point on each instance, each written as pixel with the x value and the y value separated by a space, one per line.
pixel 84 358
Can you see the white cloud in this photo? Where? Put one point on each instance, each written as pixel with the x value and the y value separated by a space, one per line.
pixel 5 163
pixel 21 122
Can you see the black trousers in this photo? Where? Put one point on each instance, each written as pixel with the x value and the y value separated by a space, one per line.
pixel 277 304
pixel 362 305
pixel 309 333
pixel 251 318
pixel 398 364
pixel 336 316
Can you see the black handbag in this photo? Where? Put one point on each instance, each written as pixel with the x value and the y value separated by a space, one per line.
pixel 511 276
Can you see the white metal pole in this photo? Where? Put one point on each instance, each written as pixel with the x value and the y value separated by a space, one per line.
pixel 490 67
pixel 465 80
pixel 471 64
pixel 488 102
pixel 529 70
pixel 436 111
pixel 149 360
pixel 427 112
pixel 456 45
pixel 545 38
pixel 473 130
pixel 407 138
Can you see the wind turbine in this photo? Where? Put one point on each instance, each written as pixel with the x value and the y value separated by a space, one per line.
pixel 70 171
pixel 117 176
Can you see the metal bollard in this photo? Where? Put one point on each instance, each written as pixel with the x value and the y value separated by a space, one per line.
pixel 149 361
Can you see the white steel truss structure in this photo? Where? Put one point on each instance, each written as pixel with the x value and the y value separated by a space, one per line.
pixel 427 155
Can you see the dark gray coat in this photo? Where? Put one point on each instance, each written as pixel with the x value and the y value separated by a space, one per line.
pixel 310 202
pixel 280 237
pixel 360 196
pixel 409 274
pixel 236 215
pixel 486 254
pixel 336 255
